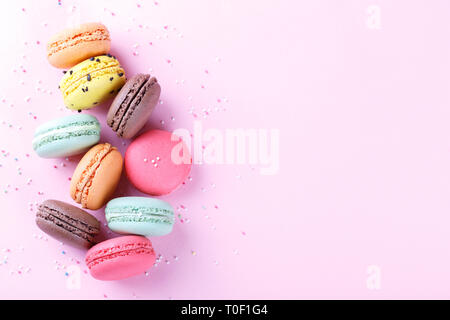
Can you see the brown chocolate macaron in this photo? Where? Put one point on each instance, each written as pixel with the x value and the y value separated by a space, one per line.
pixel 67 223
pixel 133 105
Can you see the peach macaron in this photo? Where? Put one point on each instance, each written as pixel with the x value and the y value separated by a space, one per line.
pixel 96 176
pixel 71 46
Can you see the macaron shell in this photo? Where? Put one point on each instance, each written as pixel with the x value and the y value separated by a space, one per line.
pixel 61 234
pixel 70 46
pixel 123 267
pixel 66 120
pixel 117 267
pixel 90 82
pixel 139 215
pixel 73 212
pixel 161 176
pixel 65 58
pixel 143 229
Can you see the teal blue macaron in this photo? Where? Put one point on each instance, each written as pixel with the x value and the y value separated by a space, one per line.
pixel 143 216
pixel 67 136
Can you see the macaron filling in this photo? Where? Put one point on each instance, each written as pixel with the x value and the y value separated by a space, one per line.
pixel 139 214
pixel 71 130
pixel 118 251
pixel 76 227
pixel 96 35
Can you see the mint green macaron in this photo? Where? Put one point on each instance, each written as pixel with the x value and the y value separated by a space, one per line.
pixel 66 136
pixel 143 216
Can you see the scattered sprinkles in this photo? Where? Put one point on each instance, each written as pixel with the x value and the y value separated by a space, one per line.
pixel 18 160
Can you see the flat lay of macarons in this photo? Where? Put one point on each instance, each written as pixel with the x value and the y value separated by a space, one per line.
pixel 113 113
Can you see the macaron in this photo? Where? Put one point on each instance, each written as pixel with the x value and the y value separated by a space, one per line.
pixel 157 163
pixel 91 82
pixel 96 176
pixel 120 258
pixel 133 105
pixel 66 136
pixel 70 46
pixel 139 215
pixel 67 223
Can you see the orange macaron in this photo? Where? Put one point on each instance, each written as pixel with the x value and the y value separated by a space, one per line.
pixel 71 46
pixel 96 176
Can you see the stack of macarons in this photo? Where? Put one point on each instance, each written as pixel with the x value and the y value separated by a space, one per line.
pixel 153 163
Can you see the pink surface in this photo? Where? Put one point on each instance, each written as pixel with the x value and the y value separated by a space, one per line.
pixel 359 207
pixel 120 258
pixel 149 164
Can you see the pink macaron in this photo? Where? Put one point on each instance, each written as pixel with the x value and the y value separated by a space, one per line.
pixel 157 162
pixel 120 258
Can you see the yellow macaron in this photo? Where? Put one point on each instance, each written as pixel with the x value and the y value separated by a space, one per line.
pixel 91 82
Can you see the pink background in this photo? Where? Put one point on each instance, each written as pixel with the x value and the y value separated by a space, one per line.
pixel 363 116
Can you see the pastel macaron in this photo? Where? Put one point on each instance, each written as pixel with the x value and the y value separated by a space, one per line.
pixel 120 258
pixel 96 176
pixel 133 105
pixel 66 136
pixel 91 82
pixel 139 215
pixel 70 46
pixel 157 162
pixel 67 223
